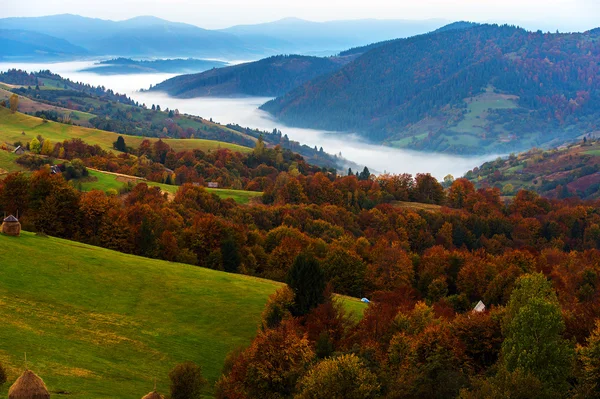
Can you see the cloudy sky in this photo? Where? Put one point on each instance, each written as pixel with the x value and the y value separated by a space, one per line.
pixel 543 14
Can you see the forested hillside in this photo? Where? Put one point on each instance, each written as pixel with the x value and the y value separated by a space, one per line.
pixel 269 77
pixel 485 89
pixel 564 172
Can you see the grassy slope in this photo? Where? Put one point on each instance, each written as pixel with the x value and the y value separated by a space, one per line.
pixel 7 163
pixel 12 125
pixel 98 323
pixel 27 105
pixel 107 181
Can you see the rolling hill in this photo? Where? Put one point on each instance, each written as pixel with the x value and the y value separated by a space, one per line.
pixel 567 171
pixel 98 323
pixel 268 77
pixel 21 127
pixel 487 89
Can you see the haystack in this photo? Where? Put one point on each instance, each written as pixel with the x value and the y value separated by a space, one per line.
pixel 11 226
pixel 153 395
pixel 28 386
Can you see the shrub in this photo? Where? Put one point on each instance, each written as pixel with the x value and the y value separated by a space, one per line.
pixel 186 381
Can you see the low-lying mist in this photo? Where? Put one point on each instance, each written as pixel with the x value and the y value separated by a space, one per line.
pixel 244 111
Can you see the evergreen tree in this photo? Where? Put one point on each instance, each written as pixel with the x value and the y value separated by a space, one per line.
pixel 307 280
pixel 365 174
pixel 230 255
pixel 120 145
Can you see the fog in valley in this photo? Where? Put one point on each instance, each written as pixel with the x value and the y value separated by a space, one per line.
pixel 245 112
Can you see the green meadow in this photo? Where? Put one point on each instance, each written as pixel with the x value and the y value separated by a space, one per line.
pixel 101 324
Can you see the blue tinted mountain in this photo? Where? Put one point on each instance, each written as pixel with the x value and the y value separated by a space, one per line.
pixel 268 77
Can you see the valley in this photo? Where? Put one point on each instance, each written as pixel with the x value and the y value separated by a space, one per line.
pixel 373 202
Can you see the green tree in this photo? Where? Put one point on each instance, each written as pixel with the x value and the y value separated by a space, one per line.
pixel 307 281
pixel 230 255
pixel 365 174
pixel 533 330
pixel 47 147
pixel 589 358
pixel 120 145
pixel 35 146
pixel 344 377
pixel 345 270
pixel 14 103
pixel 508 189
pixel 259 149
pixel 186 381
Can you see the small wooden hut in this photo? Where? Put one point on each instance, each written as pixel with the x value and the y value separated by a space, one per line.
pixel 11 226
pixel 28 386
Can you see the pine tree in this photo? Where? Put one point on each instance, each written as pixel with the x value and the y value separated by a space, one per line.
pixel 307 279
pixel 120 145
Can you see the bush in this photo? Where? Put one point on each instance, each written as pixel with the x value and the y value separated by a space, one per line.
pixel 186 381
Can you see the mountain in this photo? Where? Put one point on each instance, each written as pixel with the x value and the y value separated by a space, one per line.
pixel 121 66
pixel 268 77
pixel 21 44
pixel 140 36
pixel 148 36
pixel 363 49
pixel 459 25
pixel 293 35
pixel 487 89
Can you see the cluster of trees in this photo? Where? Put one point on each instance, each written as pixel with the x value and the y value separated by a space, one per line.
pixel 410 347
pixel 283 176
pixel 18 77
pixel 363 249
pixel 429 76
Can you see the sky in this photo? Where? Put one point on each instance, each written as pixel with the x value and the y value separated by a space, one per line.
pixel 566 15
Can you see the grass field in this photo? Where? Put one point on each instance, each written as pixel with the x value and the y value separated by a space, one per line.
pixel 416 206
pixel 106 181
pixel 7 162
pixel 13 125
pixel 97 323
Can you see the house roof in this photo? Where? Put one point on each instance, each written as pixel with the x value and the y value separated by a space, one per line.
pixel 17 149
pixel 11 218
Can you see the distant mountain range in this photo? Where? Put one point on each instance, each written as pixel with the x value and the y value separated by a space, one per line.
pixel 478 89
pixel 26 44
pixel 295 35
pixel 268 77
pixel 151 37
